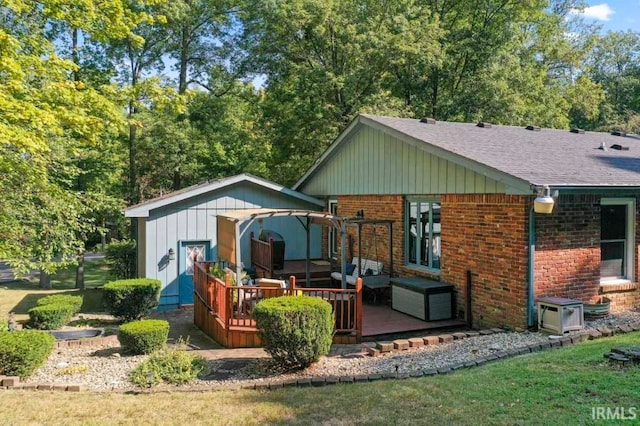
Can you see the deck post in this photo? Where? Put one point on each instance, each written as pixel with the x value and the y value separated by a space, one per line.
pixel 307 266
pixel 358 309
pixel 292 285
pixel 343 254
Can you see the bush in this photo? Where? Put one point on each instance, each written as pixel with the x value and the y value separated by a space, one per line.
pixel 22 351
pixel 62 299
pixel 143 337
pixel 131 299
pixel 4 327
pixel 296 330
pixel 121 256
pixel 171 366
pixel 50 317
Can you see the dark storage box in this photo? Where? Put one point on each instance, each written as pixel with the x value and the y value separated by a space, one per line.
pixel 423 298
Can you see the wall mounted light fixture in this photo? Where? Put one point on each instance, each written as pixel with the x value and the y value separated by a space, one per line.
pixel 544 202
pixel 172 254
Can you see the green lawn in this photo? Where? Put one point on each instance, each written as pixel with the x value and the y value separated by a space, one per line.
pixel 554 387
pixel 19 296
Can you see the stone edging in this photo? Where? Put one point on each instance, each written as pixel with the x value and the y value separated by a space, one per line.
pixel 581 336
pixel 91 341
pixel 13 382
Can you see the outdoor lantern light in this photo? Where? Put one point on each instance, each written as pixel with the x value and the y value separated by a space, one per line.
pixel 172 254
pixel 544 202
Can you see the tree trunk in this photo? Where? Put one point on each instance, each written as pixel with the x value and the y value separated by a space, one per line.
pixel 45 280
pixel 75 57
pixel 80 272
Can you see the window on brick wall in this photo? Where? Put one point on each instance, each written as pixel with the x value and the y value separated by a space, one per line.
pixel 333 234
pixel 617 223
pixel 422 233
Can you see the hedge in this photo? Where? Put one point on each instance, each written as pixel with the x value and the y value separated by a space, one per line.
pixel 66 299
pixel 50 317
pixel 22 351
pixel 295 330
pixel 143 337
pixel 131 299
pixel 121 256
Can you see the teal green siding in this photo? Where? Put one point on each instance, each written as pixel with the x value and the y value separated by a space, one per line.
pixel 373 162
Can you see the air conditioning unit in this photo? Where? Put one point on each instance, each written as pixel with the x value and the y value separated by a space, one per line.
pixel 560 315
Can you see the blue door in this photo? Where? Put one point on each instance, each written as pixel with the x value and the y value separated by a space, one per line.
pixel 188 251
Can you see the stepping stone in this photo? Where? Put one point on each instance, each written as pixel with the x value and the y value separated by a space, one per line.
pixel 459 336
pixel 445 338
pixel 374 352
pixel 594 334
pixel 497 330
pixel 625 328
pixel 384 346
pixel 486 332
pixel 416 342
pixel 431 340
pixel 472 333
pixel 401 344
pixel 606 332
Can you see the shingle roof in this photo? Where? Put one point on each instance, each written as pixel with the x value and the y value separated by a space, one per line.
pixel 143 209
pixel 549 156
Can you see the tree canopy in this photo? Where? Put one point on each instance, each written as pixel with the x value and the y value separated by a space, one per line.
pixel 104 104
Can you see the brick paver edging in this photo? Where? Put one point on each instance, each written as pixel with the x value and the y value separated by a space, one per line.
pixel 90 341
pixel 312 381
pixel 13 382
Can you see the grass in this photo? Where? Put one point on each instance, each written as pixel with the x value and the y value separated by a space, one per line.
pixel 552 387
pixel 19 296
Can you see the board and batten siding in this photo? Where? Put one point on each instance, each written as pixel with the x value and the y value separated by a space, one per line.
pixel 195 220
pixel 373 162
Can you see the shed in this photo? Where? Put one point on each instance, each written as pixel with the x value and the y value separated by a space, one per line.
pixel 174 228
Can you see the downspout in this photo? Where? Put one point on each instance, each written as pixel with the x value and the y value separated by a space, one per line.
pixel 531 317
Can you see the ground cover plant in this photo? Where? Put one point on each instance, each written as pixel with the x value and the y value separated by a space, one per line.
pixel 559 386
pixel 173 366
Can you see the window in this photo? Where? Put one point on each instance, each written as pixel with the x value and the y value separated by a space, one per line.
pixel 617 219
pixel 333 234
pixel 422 231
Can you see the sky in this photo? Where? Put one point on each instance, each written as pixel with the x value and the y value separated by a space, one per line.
pixel 614 15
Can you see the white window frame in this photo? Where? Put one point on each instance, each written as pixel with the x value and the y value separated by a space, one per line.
pixel 333 235
pixel 407 215
pixel 630 239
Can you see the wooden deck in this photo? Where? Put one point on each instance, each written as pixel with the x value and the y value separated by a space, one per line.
pixel 379 320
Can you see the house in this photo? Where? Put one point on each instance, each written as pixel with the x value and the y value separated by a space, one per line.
pixel 461 197
pixel 174 228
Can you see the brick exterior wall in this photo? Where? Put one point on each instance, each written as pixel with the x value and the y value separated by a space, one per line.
pixel 567 258
pixel 487 234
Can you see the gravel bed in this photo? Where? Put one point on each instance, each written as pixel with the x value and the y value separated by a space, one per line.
pixel 99 368
pixel 105 370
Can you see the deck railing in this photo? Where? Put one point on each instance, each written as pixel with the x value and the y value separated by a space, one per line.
pixel 232 306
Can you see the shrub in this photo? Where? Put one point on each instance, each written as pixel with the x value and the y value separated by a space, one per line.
pixel 131 299
pixel 50 317
pixel 143 337
pixel 295 330
pixel 22 351
pixel 63 299
pixel 173 366
pixel 121 256
pixel 4 327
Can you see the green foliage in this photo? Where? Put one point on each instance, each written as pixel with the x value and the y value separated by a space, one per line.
pixel 4 327
pixel 62 299
pixel 143 337
pixel 131 299
pixel 50 316
pixel 296 330
pixel 172 366
pixel 121 256
pixel 21 352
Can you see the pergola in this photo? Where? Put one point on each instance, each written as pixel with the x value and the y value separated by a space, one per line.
pixel 234 224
